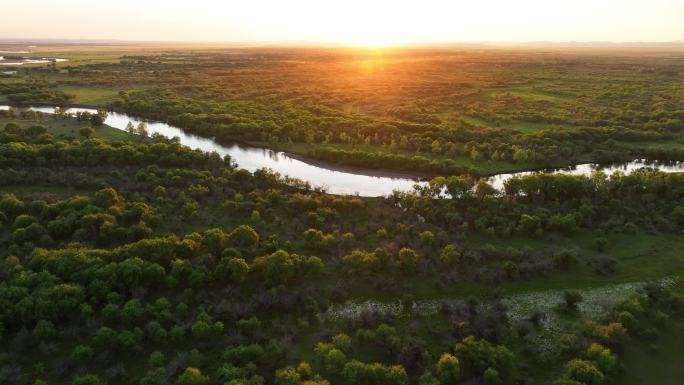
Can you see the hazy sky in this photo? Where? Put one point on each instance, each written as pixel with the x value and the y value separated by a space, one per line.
pixel 351 21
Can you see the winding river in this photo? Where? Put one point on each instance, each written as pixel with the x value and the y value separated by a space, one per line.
pixel 335 180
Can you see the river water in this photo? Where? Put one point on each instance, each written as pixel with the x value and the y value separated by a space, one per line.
pixel 333 180
pixel 7 62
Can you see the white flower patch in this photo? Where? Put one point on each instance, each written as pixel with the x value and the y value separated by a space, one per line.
pixel 595 303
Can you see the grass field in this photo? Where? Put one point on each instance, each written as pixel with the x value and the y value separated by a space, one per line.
pixel 91 96
pixel 68 128
pixel 526 94
pixel 657 362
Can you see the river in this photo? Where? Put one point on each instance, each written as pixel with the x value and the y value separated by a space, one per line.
pixel 22 61
pixel 334 180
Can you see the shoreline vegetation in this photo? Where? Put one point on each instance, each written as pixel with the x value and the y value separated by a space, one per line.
pixel 352 161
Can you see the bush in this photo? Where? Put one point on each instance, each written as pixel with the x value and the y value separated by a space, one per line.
pixel 201 329
pixel 156 359
pixel 491 377
pixel 602 357
pixel 192 376
pixel 408 259
pixel 448 369
pixel 450 254
pixel 600 243
pixel 82 353
pixel 427 237
pixel 45 330
pixel 571 299
pixel 243 236
pixel 583 371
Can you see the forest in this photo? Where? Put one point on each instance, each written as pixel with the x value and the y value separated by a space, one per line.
pixel 128 258
pixel 431 111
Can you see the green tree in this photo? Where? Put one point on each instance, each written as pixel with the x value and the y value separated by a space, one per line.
pixel 448 369
pixel 602 357
pixel 35 131
pixel 450 254
pixel 287 376
pixel 201 329
pixel 584 371
pixel 141 129
pixel 45 330
pixel 243 236
pixel 82 353
pixel 86 132
pixel 491 377
pixel 427 237
pixel 478 355
pixel 192 376
pixel 213 241
pixel 428 378
pixel 408 259
pixel 280 267
pixel 342 342
pixel 157 359
pixel 529 225
pixel 232 269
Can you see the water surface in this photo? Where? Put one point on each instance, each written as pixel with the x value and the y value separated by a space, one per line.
pixel 18 62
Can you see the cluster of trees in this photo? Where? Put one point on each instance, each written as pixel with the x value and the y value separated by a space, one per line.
pixel 472 358
pixel 104 219
pixel 537 204
pixel 96 119
pixel 384 160
pixel 591 355
pixel 33 146
pixel 34 92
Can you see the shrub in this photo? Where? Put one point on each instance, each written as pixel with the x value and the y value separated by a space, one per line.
pixel 583 371
pixel 448 369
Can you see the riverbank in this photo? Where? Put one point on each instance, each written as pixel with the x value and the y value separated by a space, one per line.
pixel 342 174
pixel 380 173
pixel 303 152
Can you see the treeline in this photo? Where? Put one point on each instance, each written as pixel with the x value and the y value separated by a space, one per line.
pixel 34 147
pixel 536 204
pixel 34 92
pixel 390 161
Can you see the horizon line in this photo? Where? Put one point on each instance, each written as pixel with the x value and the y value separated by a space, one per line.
pixel 312 43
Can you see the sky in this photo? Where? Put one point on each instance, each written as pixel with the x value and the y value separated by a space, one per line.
pixel 362 22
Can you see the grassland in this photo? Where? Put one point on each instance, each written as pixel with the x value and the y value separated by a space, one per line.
pixel 91 96
pixel 68 128
pixel 656 361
